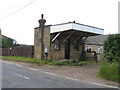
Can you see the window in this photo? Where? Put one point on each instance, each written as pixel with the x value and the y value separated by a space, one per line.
pixel 56 45
pixel 89 48
pixel 100 49
pixel 76 45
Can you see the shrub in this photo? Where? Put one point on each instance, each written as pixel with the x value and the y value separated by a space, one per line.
pixel 112 48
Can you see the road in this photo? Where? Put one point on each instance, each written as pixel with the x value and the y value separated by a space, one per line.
pixel 18 76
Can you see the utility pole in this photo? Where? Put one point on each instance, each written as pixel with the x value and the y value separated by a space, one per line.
pixel 41 25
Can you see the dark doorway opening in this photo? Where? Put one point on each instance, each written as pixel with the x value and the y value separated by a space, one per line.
pixel 67 49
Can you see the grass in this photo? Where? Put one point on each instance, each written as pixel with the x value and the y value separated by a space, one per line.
pixel 49 62
pixel 110 71
pixel 25 59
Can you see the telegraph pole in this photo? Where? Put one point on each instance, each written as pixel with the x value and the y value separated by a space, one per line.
pixel 42 25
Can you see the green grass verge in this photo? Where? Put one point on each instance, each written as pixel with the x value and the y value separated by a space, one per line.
pixel 110 71
pixel 49 62
pixel 25 59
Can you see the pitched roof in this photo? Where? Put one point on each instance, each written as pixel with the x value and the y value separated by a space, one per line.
pixel 98 39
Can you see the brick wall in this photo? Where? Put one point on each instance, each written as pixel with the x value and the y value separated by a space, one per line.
pixel 60 54
pixel 94 48
pixel 37 44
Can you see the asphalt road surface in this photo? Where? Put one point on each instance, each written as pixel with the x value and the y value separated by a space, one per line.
pixel 18 76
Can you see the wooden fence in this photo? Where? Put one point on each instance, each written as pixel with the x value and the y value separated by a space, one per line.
pixel 22 51
pixel 92 55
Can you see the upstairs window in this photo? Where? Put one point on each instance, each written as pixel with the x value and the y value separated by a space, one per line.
pixel 56 45
pixel 89 48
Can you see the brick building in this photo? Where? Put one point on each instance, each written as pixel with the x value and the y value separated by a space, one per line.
pixel 95 43
pixel 62 41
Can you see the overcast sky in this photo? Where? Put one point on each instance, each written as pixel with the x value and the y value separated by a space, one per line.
pixel 18 18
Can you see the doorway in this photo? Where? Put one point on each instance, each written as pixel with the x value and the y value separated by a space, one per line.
pixel 67 49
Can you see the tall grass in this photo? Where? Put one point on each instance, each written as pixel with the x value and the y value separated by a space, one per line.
pixel 110 71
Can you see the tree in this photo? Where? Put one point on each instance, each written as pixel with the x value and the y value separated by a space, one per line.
pixel 112 48
pixel 8 42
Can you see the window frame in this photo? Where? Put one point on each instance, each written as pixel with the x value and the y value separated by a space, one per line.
pixel 100 52
pixel 56 45
pixel 89 47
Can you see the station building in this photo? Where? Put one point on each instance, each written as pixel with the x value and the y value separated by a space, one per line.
pixel 62 41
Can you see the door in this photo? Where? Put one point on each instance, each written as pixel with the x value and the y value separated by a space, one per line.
pixel 67 49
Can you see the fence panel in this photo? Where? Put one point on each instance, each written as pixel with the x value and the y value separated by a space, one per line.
pixel 92 55
pixel 22 51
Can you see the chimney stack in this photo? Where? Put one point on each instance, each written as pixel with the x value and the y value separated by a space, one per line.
pixel 42 25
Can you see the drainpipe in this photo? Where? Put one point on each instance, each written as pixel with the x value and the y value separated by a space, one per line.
pixel 41 25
